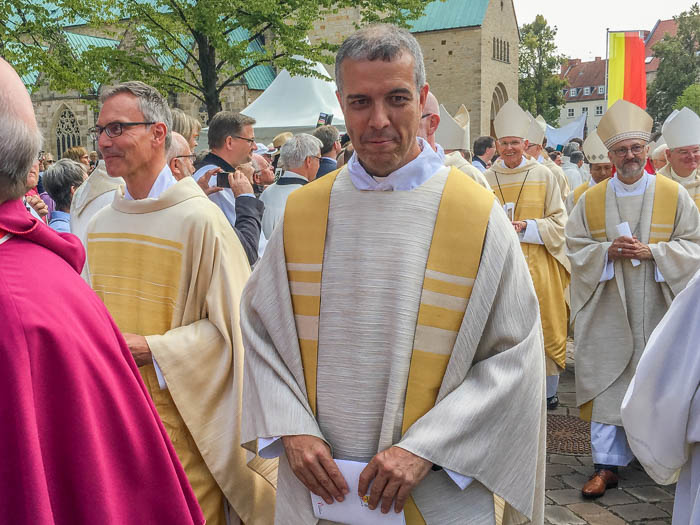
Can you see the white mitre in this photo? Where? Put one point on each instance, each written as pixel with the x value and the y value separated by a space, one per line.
pixel 453 132
pixel 594 149
pixel 682 128
pixel 511 121
pixel 535 133
pixel 624 120
pixel 542 122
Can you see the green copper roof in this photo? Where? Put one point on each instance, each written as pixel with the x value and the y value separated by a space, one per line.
pixel 81 43
pixel 450 14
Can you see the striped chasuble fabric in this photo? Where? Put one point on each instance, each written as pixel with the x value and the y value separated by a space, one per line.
pixel 691 183
pixel 453 262
pixel 663 213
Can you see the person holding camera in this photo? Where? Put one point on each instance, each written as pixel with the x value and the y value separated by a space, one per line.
pixel 232 142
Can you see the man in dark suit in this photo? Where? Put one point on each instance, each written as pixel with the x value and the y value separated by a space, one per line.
pixel 330 138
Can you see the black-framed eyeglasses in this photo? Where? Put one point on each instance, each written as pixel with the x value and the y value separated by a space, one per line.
pixel 192 157
pixel 426 115
pixel 249 141
pixel 636 149
pixel 114 129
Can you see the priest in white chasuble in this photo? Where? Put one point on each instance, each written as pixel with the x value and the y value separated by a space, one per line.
pixel 532 199
pixel 392 323
pixel 170 269
pixel 633 245
pixel 682 134
pixel 661 410
pixel 601 168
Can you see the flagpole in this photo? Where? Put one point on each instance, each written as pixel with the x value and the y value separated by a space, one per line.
pixel 607 59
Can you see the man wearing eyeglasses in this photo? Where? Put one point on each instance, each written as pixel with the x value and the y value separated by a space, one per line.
pixel 682 133
pixel 232 142
pixel 633 245
pixel 168 266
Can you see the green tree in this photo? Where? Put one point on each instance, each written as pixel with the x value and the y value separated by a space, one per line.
pixel 539 86
pixel 679 65
pixel 690 99
pixel 200 46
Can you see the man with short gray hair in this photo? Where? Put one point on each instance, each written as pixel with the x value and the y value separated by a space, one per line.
pixel 81 439
pixel 394 352
pixel 232 143
pixel 169 268
pixel 60 181
pixel 301 155
pixel 330 149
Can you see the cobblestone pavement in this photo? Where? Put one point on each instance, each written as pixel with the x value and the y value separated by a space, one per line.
pixel 637 500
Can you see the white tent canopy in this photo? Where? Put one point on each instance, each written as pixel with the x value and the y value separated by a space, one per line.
pixel 293 103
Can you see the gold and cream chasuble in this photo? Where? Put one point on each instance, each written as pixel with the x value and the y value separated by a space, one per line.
pixel 614 318
pixel 452 265
pixel 536 195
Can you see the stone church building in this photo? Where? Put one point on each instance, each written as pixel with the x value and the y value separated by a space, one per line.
pixel 470 50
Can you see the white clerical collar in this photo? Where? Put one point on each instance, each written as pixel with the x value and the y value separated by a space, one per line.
pixel 163 182
pixel 292 175
pixel 631 190
pixel 503 163
pixel 406 178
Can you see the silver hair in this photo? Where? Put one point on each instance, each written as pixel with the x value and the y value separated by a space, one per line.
pixel 151 103
pixel 295 151
pixel 178 146
pixel 60 178
pixel 20 143
pixel 380 42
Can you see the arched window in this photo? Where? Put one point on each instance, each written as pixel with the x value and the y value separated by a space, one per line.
pixel 67 132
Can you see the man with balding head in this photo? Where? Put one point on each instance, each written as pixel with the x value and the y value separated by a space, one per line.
pixel 72 402
pixel 428 126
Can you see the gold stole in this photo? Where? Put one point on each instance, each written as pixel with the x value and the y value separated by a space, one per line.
pixel 453 262
pixel 663 217
pixel 580 190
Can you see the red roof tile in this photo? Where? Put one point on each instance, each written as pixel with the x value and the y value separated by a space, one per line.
pixel 660 29
pixel 584 74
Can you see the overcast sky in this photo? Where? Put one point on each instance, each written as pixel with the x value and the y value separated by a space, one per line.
pixel 581 25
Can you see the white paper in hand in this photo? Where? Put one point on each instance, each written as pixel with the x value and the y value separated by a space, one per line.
pixel 353 510
pixel 623 229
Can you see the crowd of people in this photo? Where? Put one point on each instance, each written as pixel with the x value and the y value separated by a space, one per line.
pixel 378 318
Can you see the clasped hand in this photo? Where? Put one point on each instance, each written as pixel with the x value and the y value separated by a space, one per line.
pixel 392 474
pixel 628 248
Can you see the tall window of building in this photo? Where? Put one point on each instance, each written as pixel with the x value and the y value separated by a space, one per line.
pixel 598 111
pixel 570 112
pixel 586 91
pixel 573 92
pixel 601 90
pixel 584 110
pixel 508 52
pixel 67 132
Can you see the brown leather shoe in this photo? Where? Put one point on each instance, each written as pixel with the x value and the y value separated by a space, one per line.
pixel 598 483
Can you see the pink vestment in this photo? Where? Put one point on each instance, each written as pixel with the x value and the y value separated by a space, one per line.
pixel 80 439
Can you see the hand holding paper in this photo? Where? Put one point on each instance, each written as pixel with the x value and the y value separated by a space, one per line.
pixel 623 229
pixel 311 461
pixel 392 474
pixel 354 509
